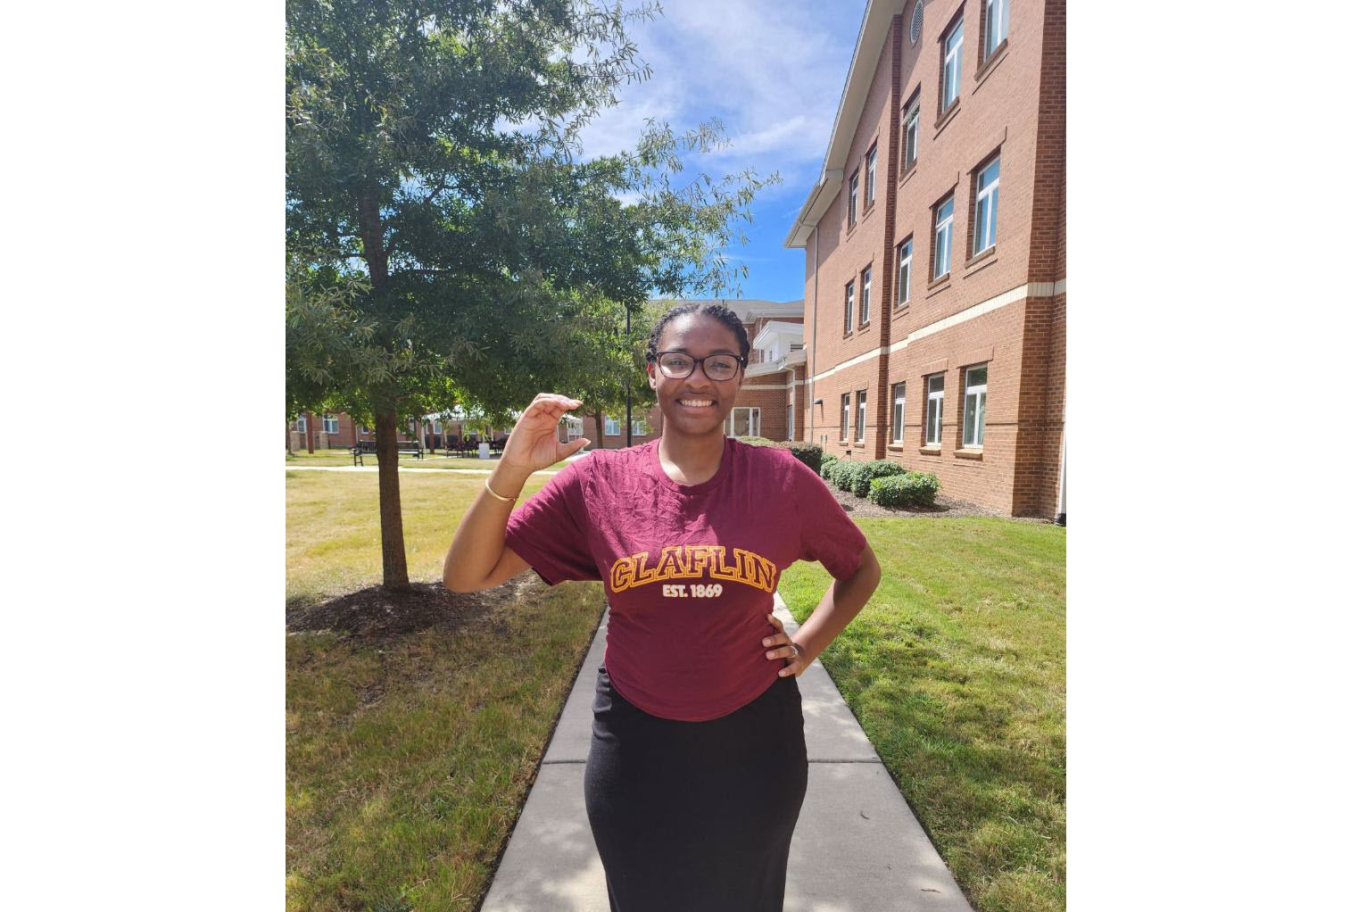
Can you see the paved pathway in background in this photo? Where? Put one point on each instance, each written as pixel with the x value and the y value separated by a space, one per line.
pixel 857 846
pixel 296 468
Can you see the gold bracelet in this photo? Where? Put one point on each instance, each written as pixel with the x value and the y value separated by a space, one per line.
pixel 496 495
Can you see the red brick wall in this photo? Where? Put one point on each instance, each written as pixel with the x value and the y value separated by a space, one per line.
pixel 1012 105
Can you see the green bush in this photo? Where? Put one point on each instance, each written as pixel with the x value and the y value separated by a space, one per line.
pixel 875 468
pixel 843 473
pixel 909 490
pixel 808 453
pixel 827 466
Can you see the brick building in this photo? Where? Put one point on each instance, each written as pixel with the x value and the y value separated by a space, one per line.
pixel 339 431
pixel 935 251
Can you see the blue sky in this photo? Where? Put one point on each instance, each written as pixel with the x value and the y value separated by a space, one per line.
pixel 772 70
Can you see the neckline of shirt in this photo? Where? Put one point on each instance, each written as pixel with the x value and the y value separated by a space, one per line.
pixel 654 462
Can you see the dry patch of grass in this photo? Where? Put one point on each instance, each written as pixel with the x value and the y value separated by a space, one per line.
pixel 956 671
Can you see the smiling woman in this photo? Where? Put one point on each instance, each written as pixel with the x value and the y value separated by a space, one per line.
pixel 697 765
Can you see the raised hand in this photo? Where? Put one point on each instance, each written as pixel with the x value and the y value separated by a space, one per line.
pixel 534 443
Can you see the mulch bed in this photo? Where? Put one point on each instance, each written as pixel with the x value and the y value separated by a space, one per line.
pixel 376 613
pixel 942 506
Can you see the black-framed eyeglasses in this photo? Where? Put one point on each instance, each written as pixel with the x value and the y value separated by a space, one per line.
pixel 677 365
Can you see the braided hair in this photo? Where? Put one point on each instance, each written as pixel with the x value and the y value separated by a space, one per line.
pixel 719 312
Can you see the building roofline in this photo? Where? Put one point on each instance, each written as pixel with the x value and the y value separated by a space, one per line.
pixel 866 52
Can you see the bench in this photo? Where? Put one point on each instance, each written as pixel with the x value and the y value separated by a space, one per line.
pixel 364 447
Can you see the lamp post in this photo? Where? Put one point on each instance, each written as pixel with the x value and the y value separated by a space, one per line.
pixel 627 377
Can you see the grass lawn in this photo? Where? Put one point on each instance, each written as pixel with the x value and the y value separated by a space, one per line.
pixel 956 671
pixel 408 760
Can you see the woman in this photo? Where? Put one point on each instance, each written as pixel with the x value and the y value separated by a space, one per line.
pixel 697 768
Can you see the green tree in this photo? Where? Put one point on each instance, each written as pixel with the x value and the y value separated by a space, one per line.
pixel 446 244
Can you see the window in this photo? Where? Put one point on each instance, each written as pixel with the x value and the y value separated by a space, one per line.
pixel 435 427
pixel 942 237
pixel 866 312
pixel 302 425
pixel 973 411
pixel 912 133
pixel 870 192
pixel 995 25
pixel 862 416
pixel 902 269
pixel 898 415
pixel 933 425
pixel 364 429
pixel 743 422
pixel 848 308
pixel 843 419
pixel 791 427
pixel 329 424
pixel 951 66
pixel 611 426
pixel 639 427
pixel 986 206
pixel 853 200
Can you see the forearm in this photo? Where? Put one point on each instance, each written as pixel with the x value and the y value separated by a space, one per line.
pixel 842 602
pixel 481 536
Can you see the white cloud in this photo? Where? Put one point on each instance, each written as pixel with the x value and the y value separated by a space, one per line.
pixel 772 70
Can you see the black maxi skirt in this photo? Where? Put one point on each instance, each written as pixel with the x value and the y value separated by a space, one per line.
pixel 696 816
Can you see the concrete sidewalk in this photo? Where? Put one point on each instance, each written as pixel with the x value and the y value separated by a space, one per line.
pixel 857 846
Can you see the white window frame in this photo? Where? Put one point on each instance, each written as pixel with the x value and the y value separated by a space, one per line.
pixel 904 270
pixel 848 308
pixel 640 428
pixel 870 183
pixel 911 134
pixel 853 200
pixel 942 237
pixel 730 427
pixel 898 412
pixel 436 427
pixel 843 418
pixel 301 425
pixel 865 304
pixel 327 420
pixel 986 206
pixel 611 426
pixel 932 431
pixel 790 427
pixel 951 65
pixel 974 406
pixel 995 25
pixel 860 431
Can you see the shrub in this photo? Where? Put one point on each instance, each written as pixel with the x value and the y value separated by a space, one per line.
pixel 827 467
pixel 843 473
pixel 875 468
pixel 909 490
pixel 809 453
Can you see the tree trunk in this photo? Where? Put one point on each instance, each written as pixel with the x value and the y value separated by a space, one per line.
pixel 288 439
pixel 391 505
pixel 386 422
pixel 309 432
pixel 599 440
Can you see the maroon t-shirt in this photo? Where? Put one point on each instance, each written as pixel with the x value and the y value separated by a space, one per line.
pixel 689 570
